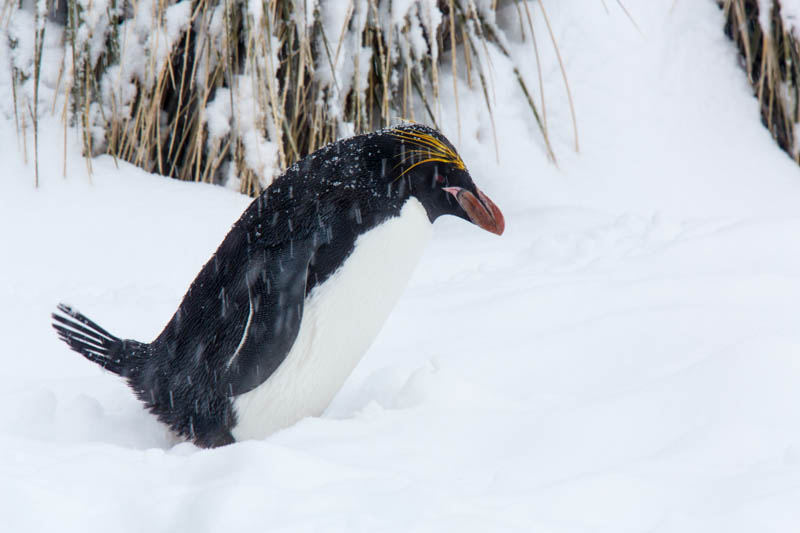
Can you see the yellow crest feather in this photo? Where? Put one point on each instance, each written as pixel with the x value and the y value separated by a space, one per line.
pixel 429 148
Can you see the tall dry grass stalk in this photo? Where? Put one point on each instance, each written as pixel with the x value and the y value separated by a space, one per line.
pixel 771 57
pixel 232 91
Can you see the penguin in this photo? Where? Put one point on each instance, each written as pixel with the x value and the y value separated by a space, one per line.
pixel 280 315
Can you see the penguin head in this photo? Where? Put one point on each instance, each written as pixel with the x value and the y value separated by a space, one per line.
pixel 437 177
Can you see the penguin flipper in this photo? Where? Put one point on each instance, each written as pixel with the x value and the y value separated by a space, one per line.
pixel 273 320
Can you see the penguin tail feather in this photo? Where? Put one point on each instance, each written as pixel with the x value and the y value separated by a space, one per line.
pixel 89 339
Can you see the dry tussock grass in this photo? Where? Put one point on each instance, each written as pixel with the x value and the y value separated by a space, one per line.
pixel 221 90
pixel 771 58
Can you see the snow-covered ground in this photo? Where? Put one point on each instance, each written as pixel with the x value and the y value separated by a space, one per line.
pixel 626 358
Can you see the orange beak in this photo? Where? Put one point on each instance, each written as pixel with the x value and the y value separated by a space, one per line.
pixel 481 211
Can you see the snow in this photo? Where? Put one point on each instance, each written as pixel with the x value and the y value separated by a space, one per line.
pixel 790 13
pixel 625 358
pixel 764 14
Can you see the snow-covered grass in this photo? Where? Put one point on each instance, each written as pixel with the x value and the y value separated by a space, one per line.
pixel 626 358
pixel 765 31
pixel 229 92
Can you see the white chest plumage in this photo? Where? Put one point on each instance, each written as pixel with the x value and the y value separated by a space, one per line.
pixel 341 318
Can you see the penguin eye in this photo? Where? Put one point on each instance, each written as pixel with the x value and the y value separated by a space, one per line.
pixel 439 178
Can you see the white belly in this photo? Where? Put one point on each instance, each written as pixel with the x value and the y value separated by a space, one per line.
pixel 341 318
